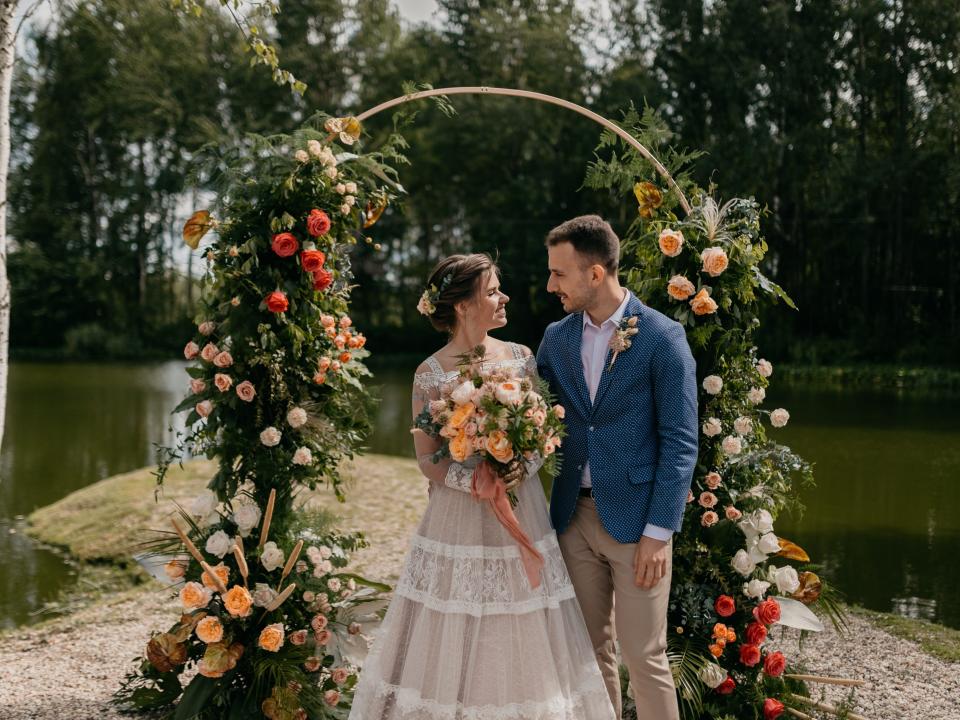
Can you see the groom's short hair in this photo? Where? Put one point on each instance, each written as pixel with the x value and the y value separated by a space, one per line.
pixel 592 237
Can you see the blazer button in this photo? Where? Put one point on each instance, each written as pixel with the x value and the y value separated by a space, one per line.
pixel 579 467
pixel 591 428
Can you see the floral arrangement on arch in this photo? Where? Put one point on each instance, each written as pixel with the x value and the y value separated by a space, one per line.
pixel 270 618
pixel 734 578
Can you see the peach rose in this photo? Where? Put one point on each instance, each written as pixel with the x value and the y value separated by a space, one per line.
pixel 176 569
pixel 709 518
pixel 222 381
pixel 707 499
pixel 702 303
pixel 499 446
pixel 204 408
pixel 460 446
pixel 461 415
pixel 318 623
pixel 238 601
pixel 559 411
pixel 714 261
pixel 732 513
pixel 671 242
pixel 223 359
pixel 328 320
pixel 210 629
pixel 221 571
pixel 207 327
pixel 340 675
pixel 298 638
pixel 679 288
pixel 209 352
pixel 194 596
pixel 271 637
pixel 191 350
pixel 311 664
pixel 712 480
pixel 323 637
pixel 331 697
pixel 246 391
pixel 197 386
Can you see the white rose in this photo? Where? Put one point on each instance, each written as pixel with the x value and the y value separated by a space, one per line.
pixel 272 557
pixel 743 425
pixel 764 368
pixel 779 417
pixel 349 200
pixel 756 395
pixel 731 445
pixel 246 516
pixel 786 579
pixel 270 437
pixel 742 563
pixel 297 417
pixel 352 188
pixel 340 188
pixel 313 555
pixel 219 544
pixel 334 584
pixel 508 393
pixel 344 209
pixel 315 148
pixel 331 172
pixel 769 543
pixel 263 594
pixel 712 675
pixel 301 156
pixel 325 552
pixel 204 507
pixel 756 588
pixel 302 456
pixel 756 523
pixel 713 384
pixel 712 427
pixel 463 393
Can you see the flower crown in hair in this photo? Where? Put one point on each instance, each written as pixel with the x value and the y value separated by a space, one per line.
pixel 427 305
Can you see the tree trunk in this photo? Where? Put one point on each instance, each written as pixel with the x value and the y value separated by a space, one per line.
pixel 8 49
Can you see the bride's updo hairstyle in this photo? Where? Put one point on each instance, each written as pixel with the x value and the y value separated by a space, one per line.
pixel 457 278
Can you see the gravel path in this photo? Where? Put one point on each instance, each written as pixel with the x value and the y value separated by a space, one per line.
pixel 69 667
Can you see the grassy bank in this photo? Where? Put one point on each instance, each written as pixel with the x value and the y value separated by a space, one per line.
pixel 878 377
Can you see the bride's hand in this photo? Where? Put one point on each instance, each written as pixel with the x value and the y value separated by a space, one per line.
pixel 514 474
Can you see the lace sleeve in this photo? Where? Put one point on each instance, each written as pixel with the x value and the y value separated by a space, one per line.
pixel 426 388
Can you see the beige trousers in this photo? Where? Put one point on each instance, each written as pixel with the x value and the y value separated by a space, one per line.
pixel 603 577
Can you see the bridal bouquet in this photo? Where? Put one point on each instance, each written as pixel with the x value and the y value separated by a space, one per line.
pixel 493 416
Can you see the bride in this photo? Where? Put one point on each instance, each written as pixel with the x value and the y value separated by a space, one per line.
pixel 466 636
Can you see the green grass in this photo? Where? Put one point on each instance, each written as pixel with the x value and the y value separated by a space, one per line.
pixel 937 640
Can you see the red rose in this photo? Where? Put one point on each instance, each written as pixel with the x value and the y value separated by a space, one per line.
pixel 322 279
pixel 277 302
pixel 756 633
pixel 749 654
pixel 774 664
pixel 727 686
pixel 318 223
pixel 725 606
pixel 767 612
pixel 772 709
pixel 285 244
pixel 312 260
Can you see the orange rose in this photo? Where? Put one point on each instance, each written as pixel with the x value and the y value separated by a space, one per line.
pixel 210 629
pixel 499 446
pixel 679 288
pixel 671 242
pixel 271 637
pixel 238 601
pixel 277 302
pixel 460 447
pixel 702 303
pixel 318 223
pixel 716 650
pixel 221 571
pixel 312 260
pixel 285 244
pixel 194 596
pixel 322 279
pixel 714 261
pixel 461 415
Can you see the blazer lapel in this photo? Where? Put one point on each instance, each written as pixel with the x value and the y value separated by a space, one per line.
pixel 634 307
pixel 575 363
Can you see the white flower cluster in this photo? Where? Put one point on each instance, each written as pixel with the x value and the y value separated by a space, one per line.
pixel 761 542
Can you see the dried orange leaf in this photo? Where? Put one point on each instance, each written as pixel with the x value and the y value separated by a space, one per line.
pixel 196 227
pixel 792 551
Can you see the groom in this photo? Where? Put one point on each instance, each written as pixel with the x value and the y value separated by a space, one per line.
pixel 628 458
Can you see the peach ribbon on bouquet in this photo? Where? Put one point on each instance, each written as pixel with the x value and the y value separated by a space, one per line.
pixel 487 485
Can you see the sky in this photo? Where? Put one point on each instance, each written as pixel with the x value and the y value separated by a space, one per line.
pixel 415 11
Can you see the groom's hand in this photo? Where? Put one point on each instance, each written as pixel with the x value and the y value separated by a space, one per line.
pixel 650 561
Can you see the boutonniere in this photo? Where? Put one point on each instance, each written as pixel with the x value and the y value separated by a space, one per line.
pixel 620 341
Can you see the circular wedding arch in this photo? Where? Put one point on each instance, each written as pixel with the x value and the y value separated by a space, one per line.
pixel 540 97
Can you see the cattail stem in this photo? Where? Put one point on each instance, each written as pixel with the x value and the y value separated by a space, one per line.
pixel 291 561
pixel 267 517
pixel 798 714
pixel 846 682
pixel 191 548
pixel 241 561
pixel 824 707
pixel 281 598
pixel 218 583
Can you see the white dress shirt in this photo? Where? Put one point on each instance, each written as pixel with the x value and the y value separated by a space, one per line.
pixel 593 354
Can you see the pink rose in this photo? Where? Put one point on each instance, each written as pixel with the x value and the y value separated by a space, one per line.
pixel 323 637
pixel 539 417
pixel 732 513
pixel 298 638
pixel 559 411
pixel 707 499
pixel 204 408
pixel 191 350
pixel 223 382
pixel 709 519
pixel 223 360
pixel 331 697
pixel 209 352
pixel 311 664
pixel 197 386
pixel 318 623
pixel 353 628
pixel 328 321
pixel 340 675
pixel 246 391
pixel 207 328
pixel 712 480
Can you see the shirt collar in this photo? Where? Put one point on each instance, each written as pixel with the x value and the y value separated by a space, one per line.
pixel 615 318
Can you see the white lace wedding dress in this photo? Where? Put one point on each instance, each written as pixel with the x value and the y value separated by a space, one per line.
pixel 465 636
